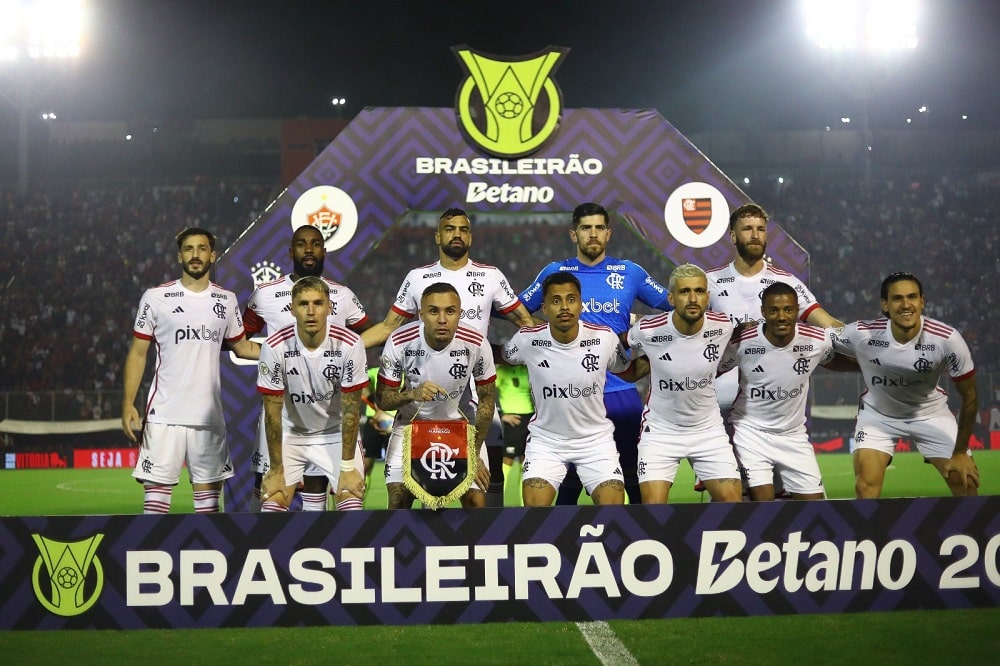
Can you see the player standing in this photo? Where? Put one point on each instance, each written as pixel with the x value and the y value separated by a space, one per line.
pixel 902 357
pixel 481 288
pixel 427 370
pixel 270 307
pixel 611 286
pixel 188 319
pixel 568 361
pixel 311 375
pixel 683 349
pixel 775 359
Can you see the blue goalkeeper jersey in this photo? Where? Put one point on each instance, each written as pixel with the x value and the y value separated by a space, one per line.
pixel 609 290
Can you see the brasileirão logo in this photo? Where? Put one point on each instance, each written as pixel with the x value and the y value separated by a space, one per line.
pixel 510 90
pixel 67 566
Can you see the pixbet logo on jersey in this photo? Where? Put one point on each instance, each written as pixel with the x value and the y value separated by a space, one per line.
pixel 203 334
pixel 777 393
pixel 570 391
pixel 687 384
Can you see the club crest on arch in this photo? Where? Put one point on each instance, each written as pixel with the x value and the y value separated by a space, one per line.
pixel 66 588
pixel 500 104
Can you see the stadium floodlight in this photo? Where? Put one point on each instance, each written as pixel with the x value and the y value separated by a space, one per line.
pixel 873 26
pixel 32 31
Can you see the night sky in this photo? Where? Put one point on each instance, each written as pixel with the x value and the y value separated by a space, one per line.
pixel 705 65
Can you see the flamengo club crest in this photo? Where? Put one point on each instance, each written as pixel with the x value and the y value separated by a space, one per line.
pixel 329 209
pixel 67 588
pixel 500 104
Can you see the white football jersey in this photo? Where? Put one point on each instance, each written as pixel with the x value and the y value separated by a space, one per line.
pixel 901 379
pixel 480 288
pixel 188 328
pixel 270 306
pixel 311 381
pixel 739 296
pixel 567 381
pixel 409 361
pixel 774 381
pixel 682 369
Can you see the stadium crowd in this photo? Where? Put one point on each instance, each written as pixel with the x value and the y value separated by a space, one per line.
pixel 74 260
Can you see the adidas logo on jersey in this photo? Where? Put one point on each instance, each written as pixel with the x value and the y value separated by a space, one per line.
pixel 178 310
pixel 293 371
pixel 666 357
pixel 758 369
pixel 543 364
pixel 875 361
pixel 723 293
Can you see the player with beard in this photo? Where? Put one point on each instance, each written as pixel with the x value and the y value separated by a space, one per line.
pixel 270 307
pixel 611 286
pixel 481 288
pixel 189 319
pixel 735 289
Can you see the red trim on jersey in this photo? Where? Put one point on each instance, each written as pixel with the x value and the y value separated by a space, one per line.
pixel 720 317
pixel 267 391
pixel 342 334
pixel 812 332
pixel 480 382
pixel 141 336
pixel 237 338
pixel 391 383
pixel 596 327
pixel 404 313
pixel 809 311
pixel 655 321
pixel 352 389
pixel 357 326
pixel 253 323
pixel 535 328
pixel 873 324
pixel 937 328
pixel 271 282
pixel 777 271
pixel 280 336
pixel 970 373
pixel 404 335
pixel 517 302
pixel 469 335
pixel 166 284
pixel 748 333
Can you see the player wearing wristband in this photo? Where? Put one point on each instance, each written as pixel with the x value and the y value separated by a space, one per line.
pixel 311 377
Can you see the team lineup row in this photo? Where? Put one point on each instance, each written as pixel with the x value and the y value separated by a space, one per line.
pixel 728 360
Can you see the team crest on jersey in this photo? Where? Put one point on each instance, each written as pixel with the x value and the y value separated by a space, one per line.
pixel 264 271
pixel 330 210
pixel 500 104
pixel 73 577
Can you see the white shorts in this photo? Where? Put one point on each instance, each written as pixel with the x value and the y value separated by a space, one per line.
pixel 166 448
pixel 261 460
pixel 761 453
pixel 548 460
pixel 933 436
pixel 299 459
pixel 394 458
pixel 661 449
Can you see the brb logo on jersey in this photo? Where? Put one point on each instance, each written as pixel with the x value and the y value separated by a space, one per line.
pixel 500 104
pixel 73 575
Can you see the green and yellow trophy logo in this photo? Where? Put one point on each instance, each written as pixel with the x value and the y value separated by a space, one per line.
pixel 67 566
pixel 500 104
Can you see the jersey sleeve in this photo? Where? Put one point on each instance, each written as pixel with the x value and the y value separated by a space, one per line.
pixel 270 371
pixel 391 365
pixel 651 292
pixel 145 318
pixel 843 339
pixel 356 378
pixel 484 371
pixel 406 303
pixel 234 325
pixel 807 301
pixel 532 296
pixel 959 358
pixel 511 352
pixel 636 339
pixel 620 360
pixel 504 298
pixel 730 357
